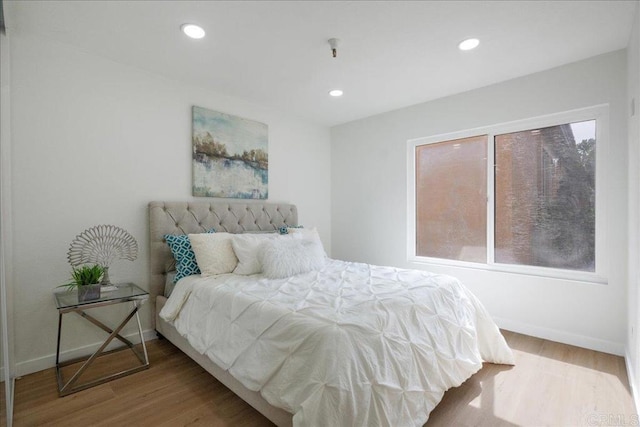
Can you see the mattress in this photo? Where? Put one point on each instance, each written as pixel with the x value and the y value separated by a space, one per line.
pixel 350 345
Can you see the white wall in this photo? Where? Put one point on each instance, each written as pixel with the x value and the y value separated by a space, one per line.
pixel 369 202
pixel 7 371
pixel 633 97
pixel 4 141
pixel 93 142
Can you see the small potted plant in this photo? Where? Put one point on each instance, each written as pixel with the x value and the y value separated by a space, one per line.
pixel 86 279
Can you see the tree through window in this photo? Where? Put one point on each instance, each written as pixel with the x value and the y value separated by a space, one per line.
pixel 545 197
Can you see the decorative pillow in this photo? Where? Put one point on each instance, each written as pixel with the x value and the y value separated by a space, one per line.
pixel 214 253
pixel 285 229
pixel 246 248
pixel 180 246
pixel 285 257
pixel 307 234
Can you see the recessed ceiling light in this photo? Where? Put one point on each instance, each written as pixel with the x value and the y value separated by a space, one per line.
pixel 192 30
pixel 335 92
pixel 468 44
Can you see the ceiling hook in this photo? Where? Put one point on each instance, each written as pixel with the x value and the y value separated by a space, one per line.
pixel 334 46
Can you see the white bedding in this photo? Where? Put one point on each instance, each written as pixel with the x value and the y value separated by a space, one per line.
pixel 350 345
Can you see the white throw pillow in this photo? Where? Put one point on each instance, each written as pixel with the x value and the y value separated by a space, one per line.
pixel 289 256
pixel 214 253
pixel 307 234
pixel 246 248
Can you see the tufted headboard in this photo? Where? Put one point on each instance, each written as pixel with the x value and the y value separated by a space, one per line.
pixel 201 216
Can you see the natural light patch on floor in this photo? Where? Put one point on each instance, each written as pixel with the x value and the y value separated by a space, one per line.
pixel 551 384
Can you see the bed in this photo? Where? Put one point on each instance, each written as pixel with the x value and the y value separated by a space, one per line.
pixel 321 349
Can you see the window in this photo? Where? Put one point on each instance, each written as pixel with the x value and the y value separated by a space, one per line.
pixel 520 197
pixel 545 197
pixel 451 194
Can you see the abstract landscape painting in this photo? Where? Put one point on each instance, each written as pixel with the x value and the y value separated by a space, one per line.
pixel 230 156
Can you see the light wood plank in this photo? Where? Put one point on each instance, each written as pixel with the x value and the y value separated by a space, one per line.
pixel 552 384
pixel 3 407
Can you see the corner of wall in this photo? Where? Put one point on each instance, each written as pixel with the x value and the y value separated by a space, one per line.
pixel 632 353
pixel 6 294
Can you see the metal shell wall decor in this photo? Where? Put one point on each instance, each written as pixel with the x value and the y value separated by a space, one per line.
pixel 102 245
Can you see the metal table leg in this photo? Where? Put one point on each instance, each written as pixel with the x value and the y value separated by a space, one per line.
pixel 70 386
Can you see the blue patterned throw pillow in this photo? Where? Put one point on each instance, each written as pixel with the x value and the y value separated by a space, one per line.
pixel 180 246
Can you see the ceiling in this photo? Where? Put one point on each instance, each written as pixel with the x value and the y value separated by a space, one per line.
pixel 393 53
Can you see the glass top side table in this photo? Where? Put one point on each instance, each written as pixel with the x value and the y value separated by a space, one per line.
pixel 67 302
pixel 128 291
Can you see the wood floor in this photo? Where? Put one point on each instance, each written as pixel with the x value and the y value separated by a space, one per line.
pixel 552 384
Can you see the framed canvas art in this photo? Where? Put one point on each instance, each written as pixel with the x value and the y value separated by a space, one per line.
pixel 230 156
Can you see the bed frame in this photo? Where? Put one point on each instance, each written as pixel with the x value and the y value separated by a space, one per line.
pixel 198 217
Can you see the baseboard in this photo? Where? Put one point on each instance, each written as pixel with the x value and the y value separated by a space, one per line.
pixel 631 374
pixel 561 336
pixel 49 361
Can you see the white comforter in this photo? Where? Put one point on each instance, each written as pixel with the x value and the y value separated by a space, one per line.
pixel 351 345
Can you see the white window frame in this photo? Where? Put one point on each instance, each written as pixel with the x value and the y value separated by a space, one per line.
pixel 600 113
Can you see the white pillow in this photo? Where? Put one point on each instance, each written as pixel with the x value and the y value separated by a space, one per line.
pixel 214 253
pixel 306 234
pixel 246 248
pixel 288 256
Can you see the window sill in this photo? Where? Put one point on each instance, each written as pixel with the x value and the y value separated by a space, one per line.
pixel 543 272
